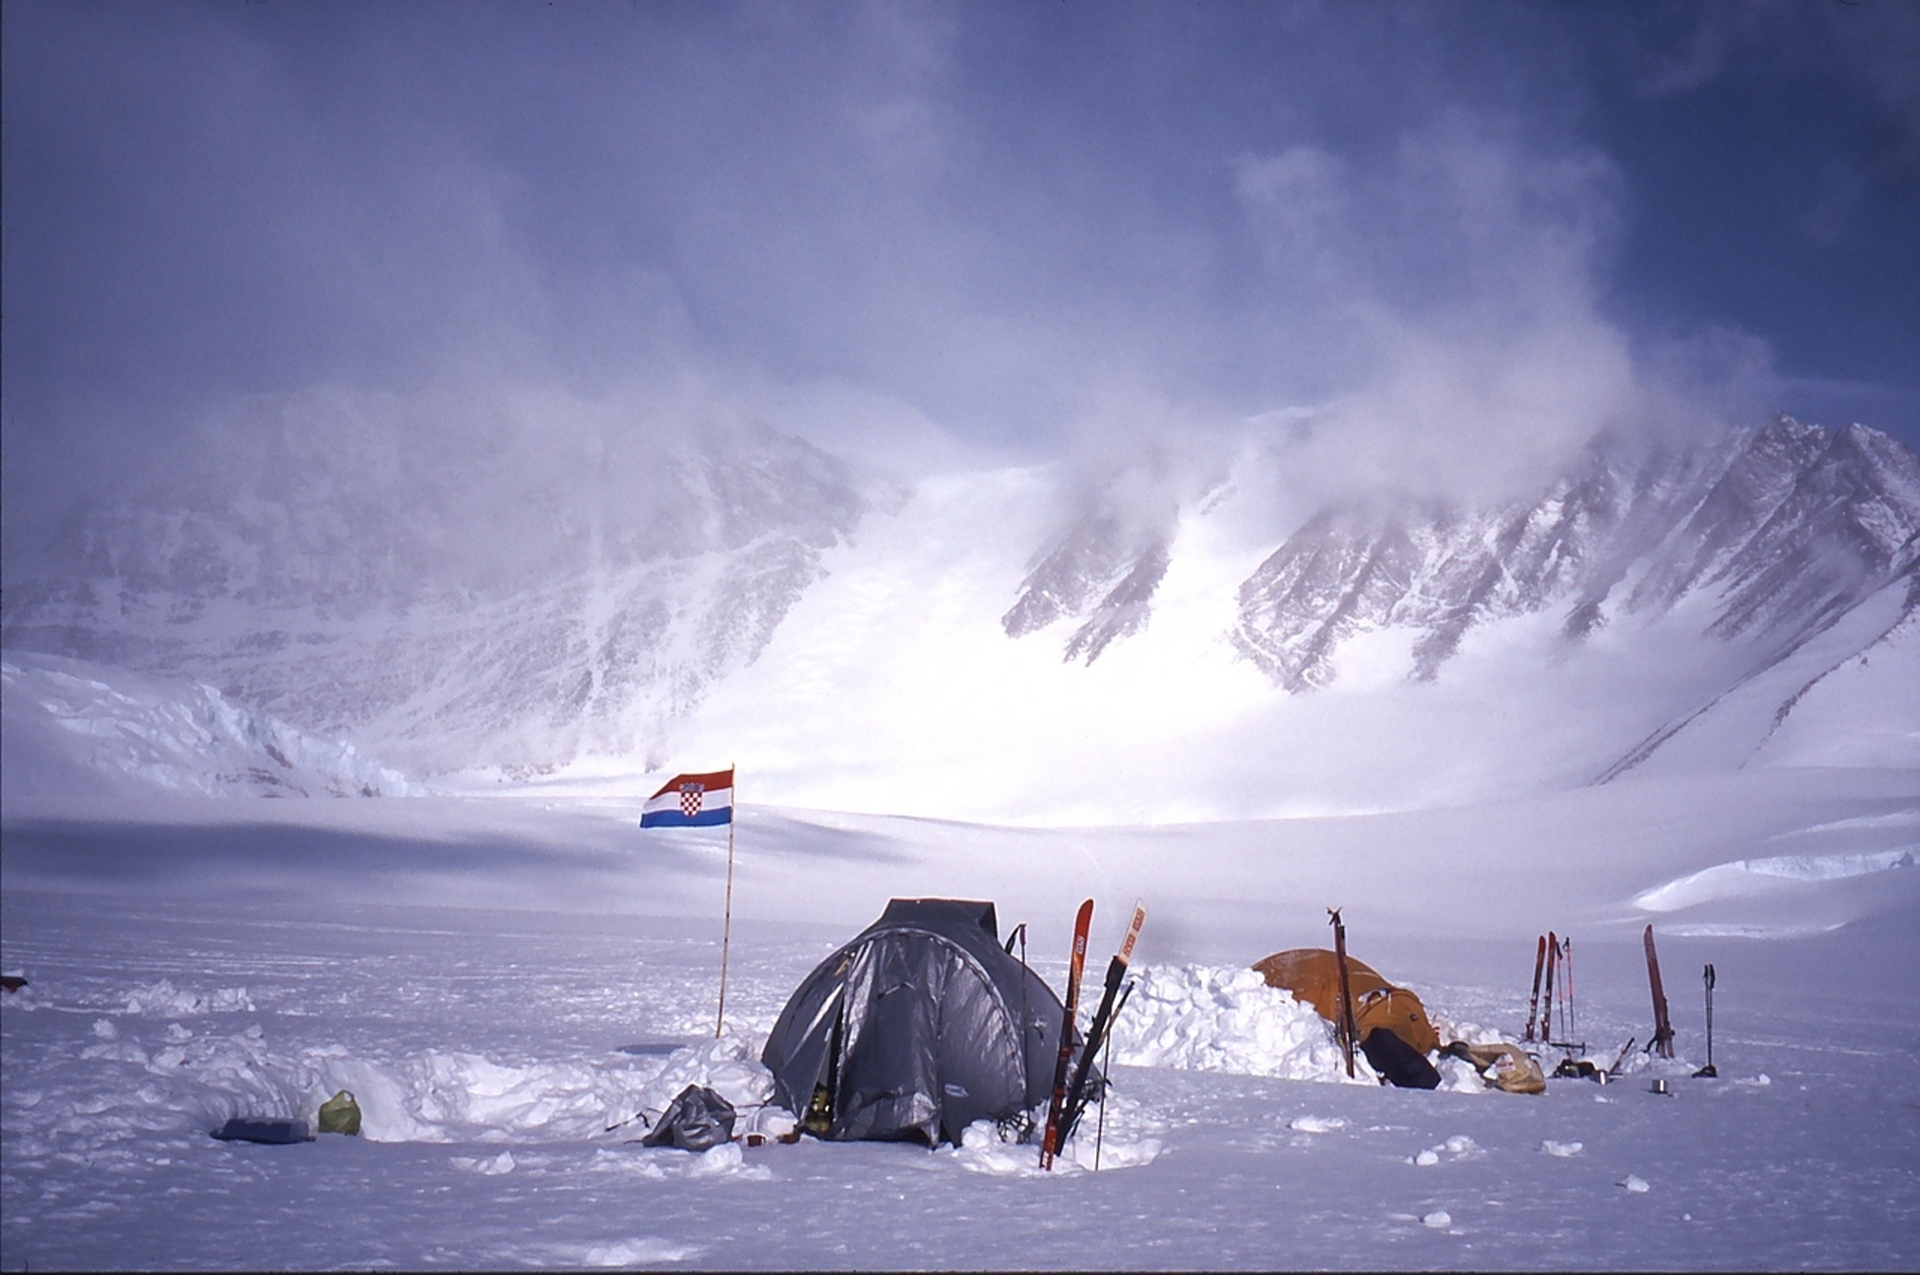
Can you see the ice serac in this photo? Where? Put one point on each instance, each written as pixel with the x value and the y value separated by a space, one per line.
pixel 1779 530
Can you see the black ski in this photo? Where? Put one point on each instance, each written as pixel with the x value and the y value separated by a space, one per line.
pixel 1553 980
pixel 1102 1019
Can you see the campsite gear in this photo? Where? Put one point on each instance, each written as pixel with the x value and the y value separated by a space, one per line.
pixel 1553 982
pixel 1660 1087
pixel 1621 1057
pixel 701 801
pixel 1076 966
pixel 340 1114
pixel 1106 1066
pixel 726 923
pixel 1533 1002
pixel 271 1130
pixel 1709 1071
pixel 1343 1021
pixel 912 1030
pixel 1505 1067
pixel 1097 1031
pixel 1566 970
pixel 1312 975
pixel 1022 1125
pixel 1396 1063
pixel 697 1118
pixel 12 982
pixel 1662 1041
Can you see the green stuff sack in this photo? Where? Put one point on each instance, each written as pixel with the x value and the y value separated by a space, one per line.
pixel 340 1114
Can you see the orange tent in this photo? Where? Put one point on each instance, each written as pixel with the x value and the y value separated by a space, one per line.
pixel 1312 974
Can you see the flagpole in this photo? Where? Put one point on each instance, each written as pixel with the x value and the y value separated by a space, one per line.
pixel 726 928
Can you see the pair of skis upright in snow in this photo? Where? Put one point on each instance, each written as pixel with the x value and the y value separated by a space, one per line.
pixel 1554 956
pixel 1070 1094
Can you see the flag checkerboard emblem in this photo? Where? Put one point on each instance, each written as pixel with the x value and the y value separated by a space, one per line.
pixel 690 799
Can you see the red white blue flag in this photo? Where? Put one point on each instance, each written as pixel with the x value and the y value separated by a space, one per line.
pixel 691 801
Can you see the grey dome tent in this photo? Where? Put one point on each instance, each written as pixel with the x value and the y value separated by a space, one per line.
pixel 914 1030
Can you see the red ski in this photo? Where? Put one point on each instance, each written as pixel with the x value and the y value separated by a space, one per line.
pixel 1075 967
pixel 1533 1004
pixel 1662 1028
pixel 1102 1019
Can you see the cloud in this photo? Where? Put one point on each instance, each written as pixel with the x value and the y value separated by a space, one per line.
pixel 1016 226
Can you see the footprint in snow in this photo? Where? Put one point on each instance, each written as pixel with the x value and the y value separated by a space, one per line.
pixel 1637 1185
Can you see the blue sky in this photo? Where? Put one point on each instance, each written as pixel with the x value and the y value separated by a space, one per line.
pixel 1004 218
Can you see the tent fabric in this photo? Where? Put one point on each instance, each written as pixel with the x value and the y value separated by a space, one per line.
pixel 914 1030
pixel 697 1118
pixel 1313 975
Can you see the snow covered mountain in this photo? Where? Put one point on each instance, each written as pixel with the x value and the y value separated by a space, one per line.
pixel 508 609
pixel 739 594
pixel 1784 529
pixel 1797 546
pixel 74 726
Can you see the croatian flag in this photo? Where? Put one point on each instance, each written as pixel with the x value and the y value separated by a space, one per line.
pixel 691 801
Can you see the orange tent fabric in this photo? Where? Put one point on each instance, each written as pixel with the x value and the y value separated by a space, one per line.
pixel 1313 976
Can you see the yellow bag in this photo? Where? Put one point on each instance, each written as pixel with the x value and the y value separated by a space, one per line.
pixel 1505 1067
pixel 340 1114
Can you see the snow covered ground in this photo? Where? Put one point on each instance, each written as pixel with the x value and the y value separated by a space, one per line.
pixel 500 980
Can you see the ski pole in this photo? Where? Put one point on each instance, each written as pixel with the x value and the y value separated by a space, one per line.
pixel 1709 1071
pixel 1566 960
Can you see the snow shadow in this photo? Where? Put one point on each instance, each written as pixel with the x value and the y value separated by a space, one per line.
pixel 269 859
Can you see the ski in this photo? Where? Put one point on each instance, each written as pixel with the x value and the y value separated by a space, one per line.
pixel 1662 1027
pixel 1075 967
pixel 1344 1028
pixel 1102 1019
pixel 1533 1003
pixel 1553 970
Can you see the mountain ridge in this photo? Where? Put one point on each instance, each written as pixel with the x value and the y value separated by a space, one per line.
pixel 610 638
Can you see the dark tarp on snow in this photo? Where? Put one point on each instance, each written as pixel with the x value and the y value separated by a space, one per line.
pixel 698 1118
pixel 272 1130
pixel 913 1030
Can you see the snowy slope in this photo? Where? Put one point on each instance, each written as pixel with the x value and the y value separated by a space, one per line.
pixel 505 983
pixel 445 592
pixel 77 727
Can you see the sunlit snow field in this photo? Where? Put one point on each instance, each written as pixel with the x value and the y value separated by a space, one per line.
pixel 500 981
